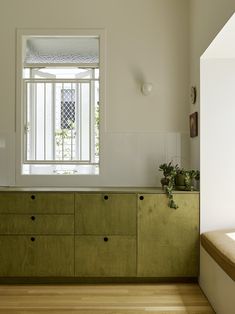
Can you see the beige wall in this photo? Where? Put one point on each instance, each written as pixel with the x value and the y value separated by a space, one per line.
pixel 207 17
pixel 146 40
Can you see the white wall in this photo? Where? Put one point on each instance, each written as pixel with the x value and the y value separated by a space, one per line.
pixel 204 27
pixel 146 40
pixel 217 144
pixel 207 17
pixel 217 81
pixel 217 130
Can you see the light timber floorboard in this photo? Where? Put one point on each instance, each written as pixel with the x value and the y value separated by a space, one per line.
pixel 103 299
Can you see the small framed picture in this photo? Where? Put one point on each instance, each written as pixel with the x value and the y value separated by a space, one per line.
pixel 193 94
pixel 193 124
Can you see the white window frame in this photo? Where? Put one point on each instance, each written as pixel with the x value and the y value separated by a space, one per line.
pixel 56 180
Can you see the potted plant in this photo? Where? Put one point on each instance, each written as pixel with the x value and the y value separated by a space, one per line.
pixel 176 178
pixel 169 172
pixel 183 179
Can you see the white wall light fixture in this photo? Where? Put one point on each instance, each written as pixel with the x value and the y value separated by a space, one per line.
pixel 146 88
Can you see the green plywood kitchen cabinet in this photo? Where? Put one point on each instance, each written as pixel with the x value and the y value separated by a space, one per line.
pixel 168 239
pixel 98 234
pixel 98 214
pixel 105 256
pixel 105 235
pixel 36 256
pixel 36 202
pixel 36 234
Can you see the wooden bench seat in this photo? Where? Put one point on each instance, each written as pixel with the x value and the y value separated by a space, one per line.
pixel 220 245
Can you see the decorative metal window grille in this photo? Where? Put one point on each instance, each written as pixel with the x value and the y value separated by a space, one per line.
pixel 67 108
pixel 61 121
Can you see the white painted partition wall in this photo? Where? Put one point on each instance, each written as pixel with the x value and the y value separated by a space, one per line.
pixel 217 126
pixel 217 144
pixel 217 158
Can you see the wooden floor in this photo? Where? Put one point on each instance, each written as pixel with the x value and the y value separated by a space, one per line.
pixel 103 299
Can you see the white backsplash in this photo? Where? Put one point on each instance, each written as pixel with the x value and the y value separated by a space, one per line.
pixel 127 159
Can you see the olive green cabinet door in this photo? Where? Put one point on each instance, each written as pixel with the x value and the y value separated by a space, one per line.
pixel 38 202
pixel 168 239
pixel 98 214
pixel 105 256
pixel 33 256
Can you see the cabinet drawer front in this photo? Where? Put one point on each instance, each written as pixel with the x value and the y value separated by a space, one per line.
pixel 38 202
pixel 105 214
pixel 35 256
pixel 105 256
pixel 36 224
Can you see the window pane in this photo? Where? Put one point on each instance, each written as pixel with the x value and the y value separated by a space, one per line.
pixel 85 121
pixel 61 104
pixel 62 121
pixel 67 108
pixel 96 122
pixel 80 49
pixel 66 73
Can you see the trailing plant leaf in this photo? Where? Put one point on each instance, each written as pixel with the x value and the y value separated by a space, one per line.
pixel 172 204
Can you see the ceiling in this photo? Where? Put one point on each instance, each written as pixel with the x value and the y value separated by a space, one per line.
pixel 223 46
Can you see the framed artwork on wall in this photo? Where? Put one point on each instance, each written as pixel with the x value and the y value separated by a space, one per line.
pixel 193 94
pixel 193 124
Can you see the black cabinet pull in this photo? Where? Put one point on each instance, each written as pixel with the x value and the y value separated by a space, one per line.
pixel 33 217
pixel 141 197
pixel 32 239
pixel 33 197
pixel 106 197
pixel 106 239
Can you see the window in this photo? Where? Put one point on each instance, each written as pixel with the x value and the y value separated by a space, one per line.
pixel 60 105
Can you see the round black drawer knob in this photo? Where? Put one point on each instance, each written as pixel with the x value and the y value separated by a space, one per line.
pixel 32 239
pixel 141 197
pixel 106 239
pixel 33 197
pixel 106 197
pixel 33 217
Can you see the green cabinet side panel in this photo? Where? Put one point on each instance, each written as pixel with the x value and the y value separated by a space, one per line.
pixel 98 214
pixel 36 224
pixel 168 239
pixel 96 257
pixel 45 256
pixel 37 203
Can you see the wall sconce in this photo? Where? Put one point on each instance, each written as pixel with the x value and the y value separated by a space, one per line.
pixel 146 88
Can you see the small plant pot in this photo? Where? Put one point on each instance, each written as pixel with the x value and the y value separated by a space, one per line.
pixel 180 180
